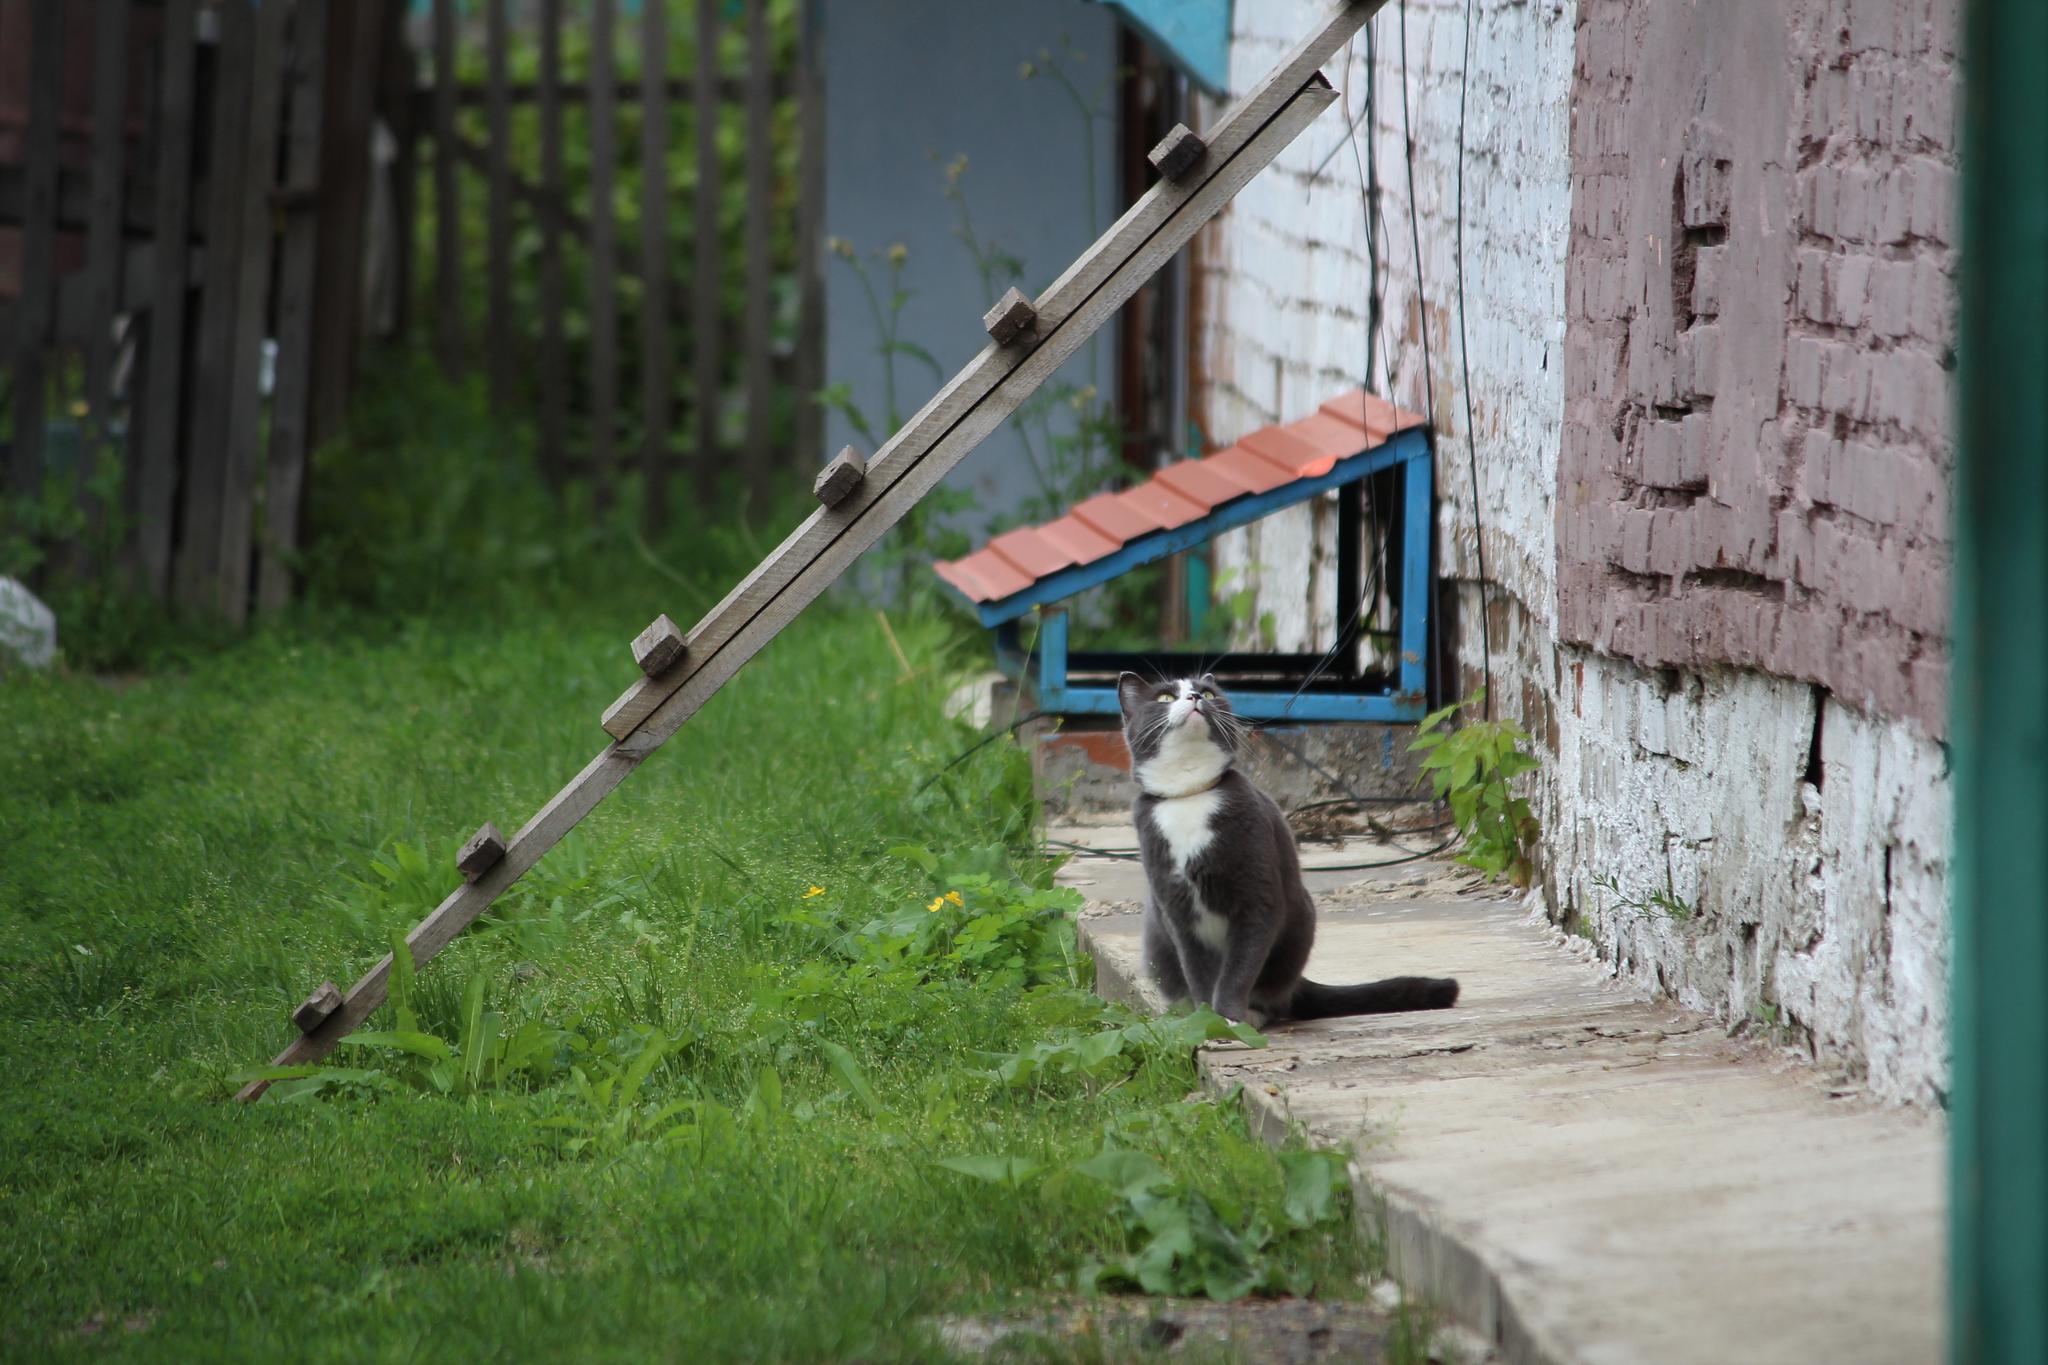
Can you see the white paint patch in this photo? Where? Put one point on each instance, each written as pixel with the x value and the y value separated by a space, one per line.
pixel 1185 823
pixel 1210 927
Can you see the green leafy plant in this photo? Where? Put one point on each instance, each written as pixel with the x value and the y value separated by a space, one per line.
pixel 1471 766
pixel 1112 1054
pixel 1177 1239
pixel 1660 904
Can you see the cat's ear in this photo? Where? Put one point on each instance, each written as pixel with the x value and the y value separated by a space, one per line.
pixel 1130 690
pixel 1208 680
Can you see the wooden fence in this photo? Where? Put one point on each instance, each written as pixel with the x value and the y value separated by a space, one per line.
pixel 162 201
pixel 711 100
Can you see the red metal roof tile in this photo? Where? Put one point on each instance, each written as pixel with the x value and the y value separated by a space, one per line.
pixel 1247 467
pixel 1106 513
pixel 1079 541
pixel 1299 458
pixel 1331 435
pixel 1196 482
pixel 1166 508
pixel 994 577
pixel 1028 549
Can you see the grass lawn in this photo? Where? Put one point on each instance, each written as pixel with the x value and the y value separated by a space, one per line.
pixel 688 1094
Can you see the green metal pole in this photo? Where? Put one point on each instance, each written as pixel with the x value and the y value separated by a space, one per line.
pixel 1998 1308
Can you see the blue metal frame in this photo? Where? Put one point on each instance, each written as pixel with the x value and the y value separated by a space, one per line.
pixel 1407 701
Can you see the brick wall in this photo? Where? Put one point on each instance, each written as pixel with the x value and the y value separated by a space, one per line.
pixel 1280 308
pixel 1756 460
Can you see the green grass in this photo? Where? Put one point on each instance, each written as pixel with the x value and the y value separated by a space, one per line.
pixel 185 853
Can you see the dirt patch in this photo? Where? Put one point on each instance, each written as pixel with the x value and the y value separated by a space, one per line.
pixel 1278 1330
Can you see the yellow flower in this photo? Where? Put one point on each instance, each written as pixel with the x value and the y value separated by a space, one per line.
pixel 954 896
pixel 898 254
pixel 937 901
pixel 814 891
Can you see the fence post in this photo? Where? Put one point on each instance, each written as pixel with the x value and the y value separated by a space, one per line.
pixel 104 230
pixel 656 381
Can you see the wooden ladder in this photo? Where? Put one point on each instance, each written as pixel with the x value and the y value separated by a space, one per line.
pixel 862 499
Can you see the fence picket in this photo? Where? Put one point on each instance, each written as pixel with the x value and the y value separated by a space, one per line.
pixel 706 295
pixel 655 365
pixel 554 359
pixel 103 231
pixel 760 265
pixel 198 554
pixel 448 329
pixel 498 120
pixel 604 377
pixel 35 310
pixel 290 410
pixel 251 299
pixel 163 378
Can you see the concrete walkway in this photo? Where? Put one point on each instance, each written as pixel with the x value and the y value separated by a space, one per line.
pixel 1572 1172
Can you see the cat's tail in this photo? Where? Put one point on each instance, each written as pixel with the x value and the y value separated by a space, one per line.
pixel 1395 995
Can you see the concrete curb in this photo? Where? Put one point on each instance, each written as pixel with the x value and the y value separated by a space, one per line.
pixel 1427 1259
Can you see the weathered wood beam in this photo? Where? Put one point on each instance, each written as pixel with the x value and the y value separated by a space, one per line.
pixel 957 419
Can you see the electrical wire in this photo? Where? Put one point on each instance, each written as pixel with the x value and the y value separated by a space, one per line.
pixel 1465 365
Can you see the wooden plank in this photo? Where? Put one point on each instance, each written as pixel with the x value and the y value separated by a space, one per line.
pixel 1178 153
pixel 659 646
pixel 325 1000
pixel 36 309
pixel 707 291
pixel 866 516
pixel 1011 318
pixel 828 543
pixel 498 228
pixel 197 565
pixel 156 466
pixel 656 379
pixel 554 353
pixel 74 199
pixel 760 282
pixel 291 403
pixel 103 232
pixel 837 480
pixel 604 299
pixel 810 234
pixel 252 300
pixel 1070 291
pixel 448 328
pixel 481 852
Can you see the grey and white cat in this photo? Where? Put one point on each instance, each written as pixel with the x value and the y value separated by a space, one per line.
pixel 1228 921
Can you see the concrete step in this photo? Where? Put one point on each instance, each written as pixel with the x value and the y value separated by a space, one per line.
pixel 1576 1173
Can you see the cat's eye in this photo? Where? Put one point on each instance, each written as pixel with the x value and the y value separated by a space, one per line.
pixel 1207 695
pixel 1164 696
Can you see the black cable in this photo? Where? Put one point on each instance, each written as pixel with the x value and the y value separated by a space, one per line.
pixel 1465 364
pixel 1128 855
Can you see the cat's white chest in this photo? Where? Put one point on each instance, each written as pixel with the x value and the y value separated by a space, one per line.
pixel 1186 823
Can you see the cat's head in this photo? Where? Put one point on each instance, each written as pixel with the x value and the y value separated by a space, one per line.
pixel 1182 734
